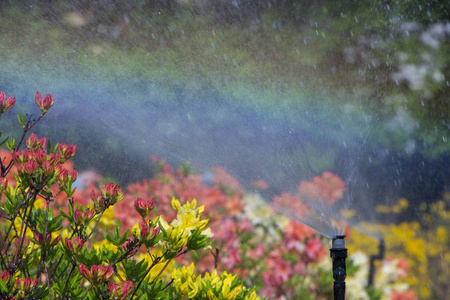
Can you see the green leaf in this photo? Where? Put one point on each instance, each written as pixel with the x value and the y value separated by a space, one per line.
pixel 64 215
pixel 117 229
pixel 3 288
pixel 22 119
pixel 55 224
pixel 10 143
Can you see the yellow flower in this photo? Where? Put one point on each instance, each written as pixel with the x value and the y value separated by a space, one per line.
pixel 403 203
pixel 384 209
pixel 175 204
pixel 252 296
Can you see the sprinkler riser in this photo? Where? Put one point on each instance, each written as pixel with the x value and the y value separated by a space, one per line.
pixel 338 255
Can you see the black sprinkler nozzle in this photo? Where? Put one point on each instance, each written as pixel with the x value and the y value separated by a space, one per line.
pixel 338 254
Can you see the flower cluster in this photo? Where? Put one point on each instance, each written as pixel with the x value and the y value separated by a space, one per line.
pixel 212 286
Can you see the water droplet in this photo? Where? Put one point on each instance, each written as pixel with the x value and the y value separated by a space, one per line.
pixel 422 103
pixel 356 19
pixel 444 139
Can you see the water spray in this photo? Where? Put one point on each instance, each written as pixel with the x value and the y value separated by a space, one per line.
pixel 338 254
pixel 379 256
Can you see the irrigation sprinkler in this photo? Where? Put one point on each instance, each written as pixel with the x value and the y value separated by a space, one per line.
pixel 338 254
pixel 379 256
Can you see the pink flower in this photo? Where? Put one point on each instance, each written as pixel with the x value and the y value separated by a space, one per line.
pixel 143 207
pixel 33 142
pixel 45 240
pixel 112 193
pixel 65 177
pixel 83 216
pixel 409 295
pixel 99 203
pixel 6 103
pixel 96 273
pixel 75 246
pixel 30 167
pixel 45 104
pixel 25 285
pixel 48 169
pixel 125 288
pixel 66 152
pixel 5 276
pixel 314 249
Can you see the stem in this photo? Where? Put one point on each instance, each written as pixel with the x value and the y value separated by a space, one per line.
pixel 24 228
pixel 86 293
pixel 48 283
pixel 67 281
pixel 95 227
pixel 155 262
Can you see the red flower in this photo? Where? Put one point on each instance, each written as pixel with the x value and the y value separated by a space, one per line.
pixel 33 142
pixel 96 273
pixel 30 167
pixel 45 104
pixel 66 152
pixel 6 103
pixel 75 246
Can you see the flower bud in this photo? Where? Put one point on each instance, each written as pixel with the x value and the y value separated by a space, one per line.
pixel 48 169
pixel 24 285
pixel 32 141
pixel 6 103
pixel 112 193
pixel 65 177
pixel 5 276
pixel 40 156
pixel 83 216
pixel 84 271
pixel 143 207
pixel 30 167
pixel 54 158
pixel 45 240
pixel 45 104
pixel 3 184
pixel 96 273
pixel 75 246
pixel 126 287
pixel 66 152
pixel 99 203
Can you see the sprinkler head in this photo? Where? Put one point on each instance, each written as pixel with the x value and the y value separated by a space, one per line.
pixel 338 255
pixel 338 242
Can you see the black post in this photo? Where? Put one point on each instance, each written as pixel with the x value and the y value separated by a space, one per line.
pixel 338 254
pixel 379 256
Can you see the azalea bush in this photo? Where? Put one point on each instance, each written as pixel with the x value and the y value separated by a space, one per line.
pixel 50 232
